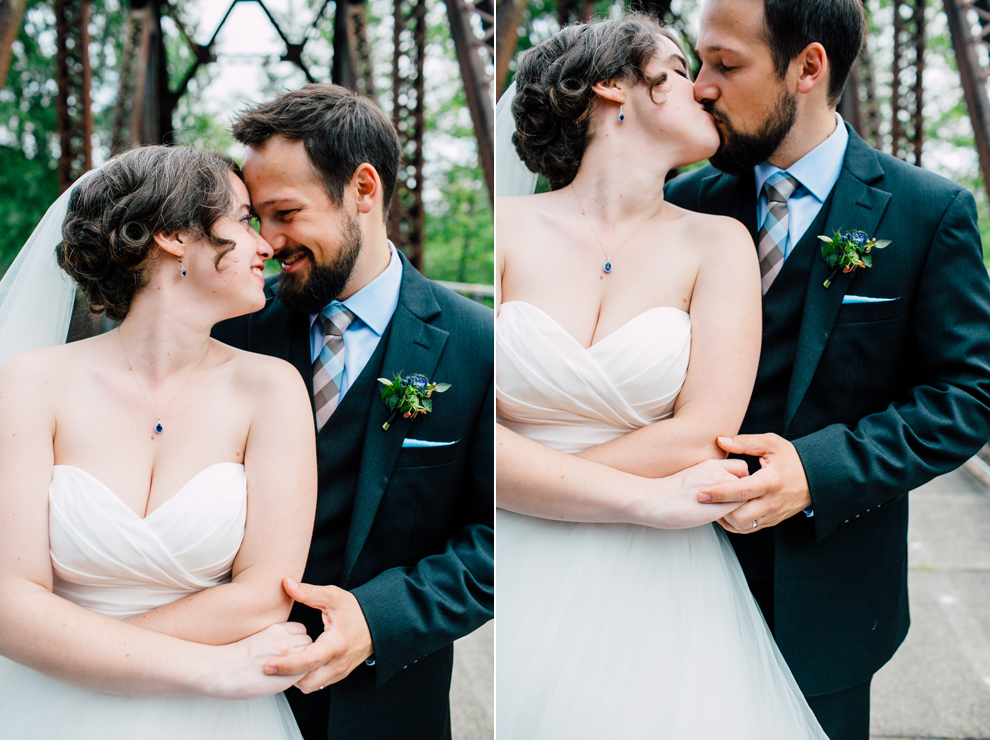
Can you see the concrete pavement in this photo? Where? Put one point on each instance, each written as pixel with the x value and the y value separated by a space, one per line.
pixel 938 683
pixel 472 689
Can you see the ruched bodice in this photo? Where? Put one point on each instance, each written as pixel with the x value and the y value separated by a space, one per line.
pixel 553 390
pixel 108 559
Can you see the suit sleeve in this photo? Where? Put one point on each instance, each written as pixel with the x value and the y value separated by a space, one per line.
pixel 945 417
pixel 417 610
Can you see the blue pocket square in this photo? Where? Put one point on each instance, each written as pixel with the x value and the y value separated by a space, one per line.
pixel 865 299
pixel 424 443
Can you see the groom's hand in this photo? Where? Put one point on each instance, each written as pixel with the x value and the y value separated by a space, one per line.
pixel 776 492
pixel 344 645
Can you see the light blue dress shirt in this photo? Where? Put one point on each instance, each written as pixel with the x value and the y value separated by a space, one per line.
pixel 373 306
pixel 817 171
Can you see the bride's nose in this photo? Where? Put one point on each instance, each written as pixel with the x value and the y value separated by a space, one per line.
pixel 265 250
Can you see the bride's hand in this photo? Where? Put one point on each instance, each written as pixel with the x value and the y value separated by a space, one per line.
pixel 236 671
pixel 672 502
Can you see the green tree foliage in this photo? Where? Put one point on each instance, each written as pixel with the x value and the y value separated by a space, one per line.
pixel 29 146
pixel 459 220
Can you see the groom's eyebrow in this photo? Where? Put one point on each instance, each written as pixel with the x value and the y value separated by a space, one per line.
pixel 273 201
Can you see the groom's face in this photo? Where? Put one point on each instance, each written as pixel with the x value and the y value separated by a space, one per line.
pixel 739 85
pixel 316 241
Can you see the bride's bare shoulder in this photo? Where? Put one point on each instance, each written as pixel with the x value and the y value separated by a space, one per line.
pixel 526 210
pixel 717 235
pixel 38 375
pixel 253 368
pixel 266 378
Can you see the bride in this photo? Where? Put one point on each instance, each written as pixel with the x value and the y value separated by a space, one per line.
pixel 628 338
pixel 157 485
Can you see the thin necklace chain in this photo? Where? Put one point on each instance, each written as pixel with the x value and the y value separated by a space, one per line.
pixel 608 260
pixel 158 426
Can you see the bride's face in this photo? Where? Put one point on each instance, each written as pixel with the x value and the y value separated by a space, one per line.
pixel 673 117
pixel 237 281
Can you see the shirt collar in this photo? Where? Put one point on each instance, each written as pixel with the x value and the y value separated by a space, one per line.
pixel 818 170
pixel 375 303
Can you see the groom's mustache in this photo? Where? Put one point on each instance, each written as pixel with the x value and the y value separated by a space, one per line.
pixel 710 110
pixel 289 254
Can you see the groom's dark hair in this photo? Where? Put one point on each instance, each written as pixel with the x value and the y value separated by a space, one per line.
pixel 340 129
pixel 838 25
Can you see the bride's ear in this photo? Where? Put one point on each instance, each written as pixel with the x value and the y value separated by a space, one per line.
pixel 611 90
pixel 172 242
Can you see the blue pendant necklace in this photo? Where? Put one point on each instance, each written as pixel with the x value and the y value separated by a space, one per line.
pixel 158 425
pixel 607 267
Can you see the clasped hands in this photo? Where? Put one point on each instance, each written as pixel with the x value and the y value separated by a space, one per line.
pixel 777 491
pixel 343 646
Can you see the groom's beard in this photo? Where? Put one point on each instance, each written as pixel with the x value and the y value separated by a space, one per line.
pixel 324 282
pixel 740 152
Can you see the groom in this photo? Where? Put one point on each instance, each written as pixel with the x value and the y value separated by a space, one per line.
pixel 401 563
pixel 865 389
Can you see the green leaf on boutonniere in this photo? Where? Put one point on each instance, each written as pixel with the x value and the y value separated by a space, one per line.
pixel 409 396
pixel 849 252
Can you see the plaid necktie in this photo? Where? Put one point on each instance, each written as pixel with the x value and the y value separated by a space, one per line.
pixel 328 370
pixel 773 234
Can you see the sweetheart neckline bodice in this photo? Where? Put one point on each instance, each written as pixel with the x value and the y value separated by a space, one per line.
pixel 608 336
pixel 184 487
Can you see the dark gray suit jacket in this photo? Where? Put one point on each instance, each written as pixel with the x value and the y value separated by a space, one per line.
pixel 882 397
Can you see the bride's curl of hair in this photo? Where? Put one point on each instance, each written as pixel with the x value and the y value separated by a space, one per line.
pixel 554 97
pixel 108 232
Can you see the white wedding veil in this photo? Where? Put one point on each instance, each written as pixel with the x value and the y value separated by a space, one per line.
pixel 36 296
pixel 511 175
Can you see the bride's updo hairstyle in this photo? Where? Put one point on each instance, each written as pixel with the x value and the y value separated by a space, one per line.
pixel 554 97
pixel 113 215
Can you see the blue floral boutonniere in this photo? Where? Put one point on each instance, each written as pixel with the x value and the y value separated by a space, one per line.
pixel 409 396
pixel 848 252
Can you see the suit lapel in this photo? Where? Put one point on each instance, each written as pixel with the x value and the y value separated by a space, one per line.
pixel 855 205
pixel 414 346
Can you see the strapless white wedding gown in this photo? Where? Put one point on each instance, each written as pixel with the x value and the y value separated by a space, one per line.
pixel 108 559
pixel 621 631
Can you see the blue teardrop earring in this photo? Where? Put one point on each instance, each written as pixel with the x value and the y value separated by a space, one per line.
pixel 622 116
pixel 182 269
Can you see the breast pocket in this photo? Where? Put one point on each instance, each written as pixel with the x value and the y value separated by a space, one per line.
pixel 422 457
pixel 871 312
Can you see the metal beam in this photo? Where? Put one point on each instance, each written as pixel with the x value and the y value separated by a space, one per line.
pixel 74 76
pixel 907 129
pixel 406 219
pixel 11 18
pixel 965 40
pixel 352 65
pixel 508 18
pixel 475 52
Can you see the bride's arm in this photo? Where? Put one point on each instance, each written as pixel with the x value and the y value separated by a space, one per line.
pixel 726 318
pixel 537 480
pixel 66 641
pixel 280 462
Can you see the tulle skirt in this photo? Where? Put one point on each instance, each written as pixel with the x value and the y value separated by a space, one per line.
pixel 621 631
pixel 35 707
